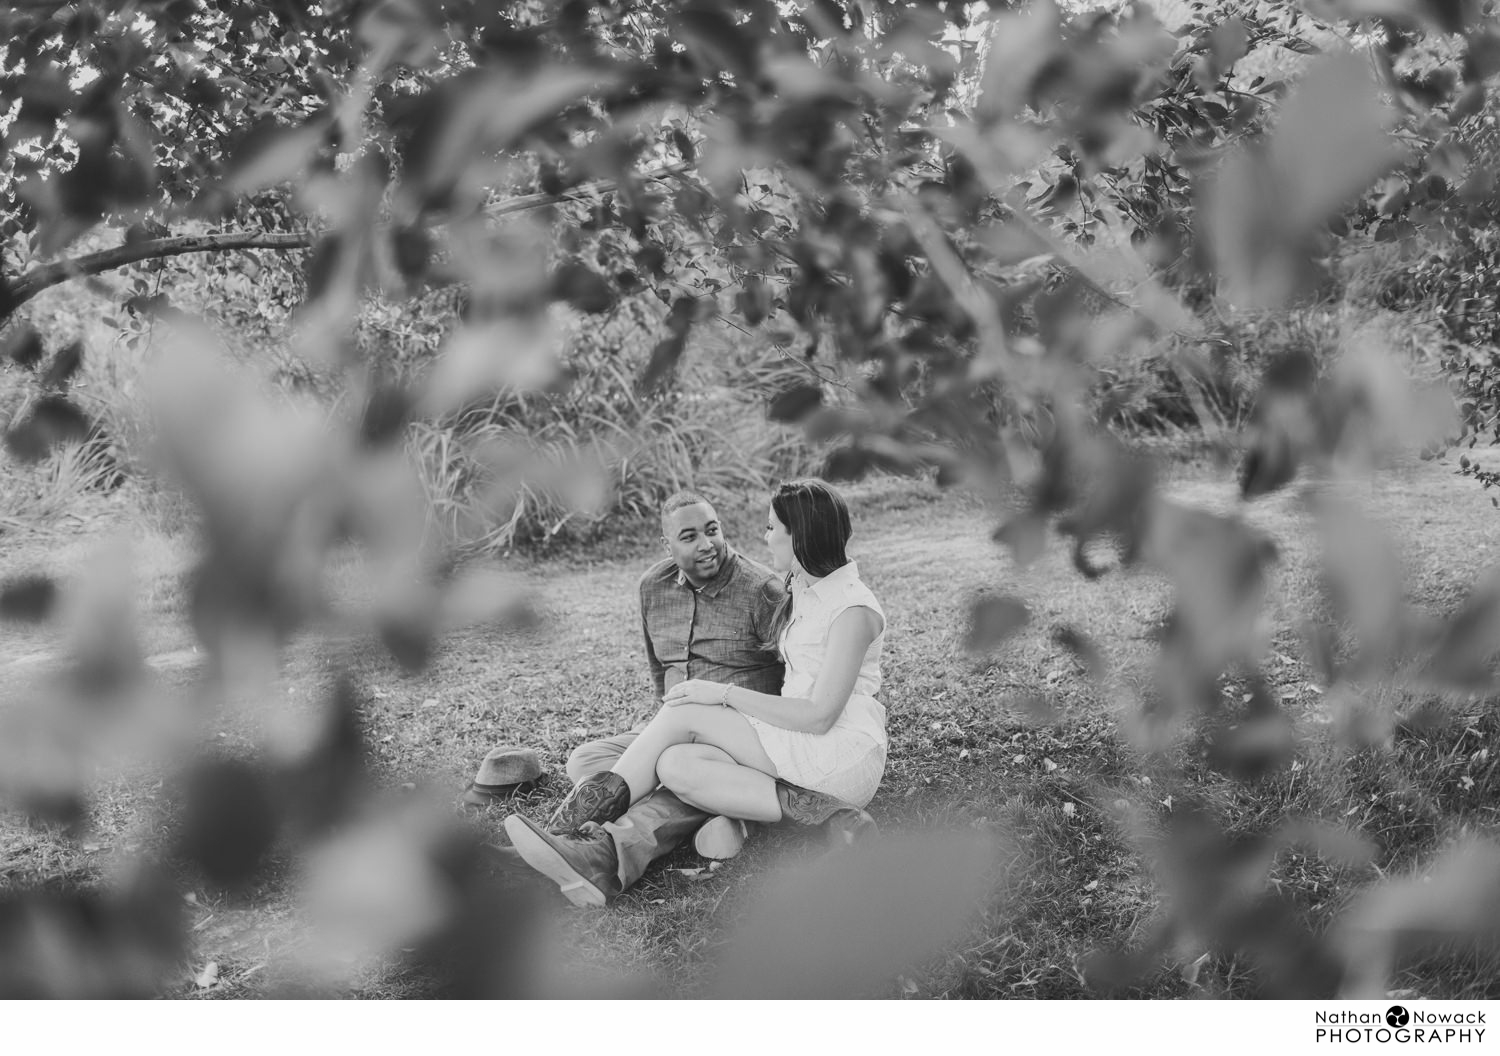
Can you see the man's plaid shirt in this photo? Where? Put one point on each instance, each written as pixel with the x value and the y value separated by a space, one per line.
pixel 718 632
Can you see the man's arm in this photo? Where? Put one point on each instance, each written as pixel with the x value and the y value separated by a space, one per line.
pixel 658 669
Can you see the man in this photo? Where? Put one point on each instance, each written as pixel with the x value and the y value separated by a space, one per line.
pixel 706 611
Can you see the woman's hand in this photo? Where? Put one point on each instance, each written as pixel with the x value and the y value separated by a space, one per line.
pixel 694 691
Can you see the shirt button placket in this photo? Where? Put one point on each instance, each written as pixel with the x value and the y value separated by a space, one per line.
pixel 692 625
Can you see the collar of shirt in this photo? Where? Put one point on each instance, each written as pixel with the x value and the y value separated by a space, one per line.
pixel 845 573
pixel 721 577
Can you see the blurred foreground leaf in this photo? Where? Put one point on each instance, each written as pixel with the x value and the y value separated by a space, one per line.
pixel 846 924
pixel 1454 900
pixel 993 620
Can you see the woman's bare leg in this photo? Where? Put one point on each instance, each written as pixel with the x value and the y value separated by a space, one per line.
pixel 710 779
pixel 723 728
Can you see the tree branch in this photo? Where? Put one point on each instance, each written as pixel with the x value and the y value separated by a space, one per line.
pixel 48 275
pixel 523 202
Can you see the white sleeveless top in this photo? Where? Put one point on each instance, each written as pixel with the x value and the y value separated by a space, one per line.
pixel 804 644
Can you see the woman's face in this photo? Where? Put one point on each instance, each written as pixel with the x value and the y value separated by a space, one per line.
pixel 780 542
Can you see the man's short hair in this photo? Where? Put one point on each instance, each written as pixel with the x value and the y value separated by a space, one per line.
pixel 678 499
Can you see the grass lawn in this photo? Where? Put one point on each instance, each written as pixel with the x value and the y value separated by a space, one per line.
pixel 1031 761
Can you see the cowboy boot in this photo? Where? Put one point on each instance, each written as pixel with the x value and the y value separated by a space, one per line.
pixel 584 865
pixel 598 798
pixel 842 822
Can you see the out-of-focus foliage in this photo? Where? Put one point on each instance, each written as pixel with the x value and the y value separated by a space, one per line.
pixel 953 215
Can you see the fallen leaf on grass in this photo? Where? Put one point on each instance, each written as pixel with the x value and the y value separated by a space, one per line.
pixel 1190 971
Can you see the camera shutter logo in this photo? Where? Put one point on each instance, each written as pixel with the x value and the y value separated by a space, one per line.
pixel 1397 1016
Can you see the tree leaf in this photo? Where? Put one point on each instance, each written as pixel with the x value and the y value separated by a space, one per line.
pixel 1025 534
pixel 1230 41
pixel 412 247
pixel 53 420
pixel 226 821
pixel 795 403
pixel 664 357
pixel 1455 899
pixel 663 362
pixel 65 364
pixel 846 925
pixel 1022 46
pixel 28 599
pixel 754 300
pixel 583 288
pixel 994 619
pixel 847 463
pixel 23 346
pixel 272 154
pixel 1269 465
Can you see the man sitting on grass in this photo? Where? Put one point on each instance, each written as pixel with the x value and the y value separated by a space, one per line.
pixel 706 613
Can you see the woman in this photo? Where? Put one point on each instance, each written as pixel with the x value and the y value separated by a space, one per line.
pixel 813 754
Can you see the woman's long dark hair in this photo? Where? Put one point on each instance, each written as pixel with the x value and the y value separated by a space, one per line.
pixel 817 518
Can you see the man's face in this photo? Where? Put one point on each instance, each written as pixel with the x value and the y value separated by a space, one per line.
pixel 695 541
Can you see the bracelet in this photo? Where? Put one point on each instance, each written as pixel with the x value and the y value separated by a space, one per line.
pixel 724 700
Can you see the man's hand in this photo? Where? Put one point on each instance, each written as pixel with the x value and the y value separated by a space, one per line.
pixel 695 691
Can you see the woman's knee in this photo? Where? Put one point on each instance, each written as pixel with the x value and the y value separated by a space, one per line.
pixel 680 768
pixel 683 719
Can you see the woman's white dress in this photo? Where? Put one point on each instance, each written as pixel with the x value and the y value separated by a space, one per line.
pixel 849 759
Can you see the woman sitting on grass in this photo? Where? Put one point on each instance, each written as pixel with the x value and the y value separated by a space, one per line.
pixel 815 753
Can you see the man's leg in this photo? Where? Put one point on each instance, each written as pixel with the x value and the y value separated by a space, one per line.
pixel 655 826
pixel 593 757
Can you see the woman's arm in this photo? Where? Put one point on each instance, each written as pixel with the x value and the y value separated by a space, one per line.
pixel 848 640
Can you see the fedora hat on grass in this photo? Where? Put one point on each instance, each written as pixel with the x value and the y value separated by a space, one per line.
pixel 503 771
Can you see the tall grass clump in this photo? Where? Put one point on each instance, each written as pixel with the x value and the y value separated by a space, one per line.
pixel 536 467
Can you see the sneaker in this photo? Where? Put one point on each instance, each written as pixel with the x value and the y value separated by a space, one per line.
pixel 720 837
pixel 584 865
